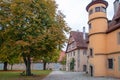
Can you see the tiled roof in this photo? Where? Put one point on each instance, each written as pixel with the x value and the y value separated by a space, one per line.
pixel 78 37
pixel 115 23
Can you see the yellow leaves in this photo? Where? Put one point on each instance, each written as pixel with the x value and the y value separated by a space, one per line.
pixel 22 43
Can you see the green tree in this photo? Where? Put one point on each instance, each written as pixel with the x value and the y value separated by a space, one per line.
pixel 63 62
pixel 72 63
pixel 50 57
pixel 32 27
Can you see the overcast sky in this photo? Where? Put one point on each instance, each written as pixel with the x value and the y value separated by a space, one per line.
pixel 75 12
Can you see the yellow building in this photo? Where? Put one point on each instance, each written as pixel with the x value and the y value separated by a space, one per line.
pixel 104 40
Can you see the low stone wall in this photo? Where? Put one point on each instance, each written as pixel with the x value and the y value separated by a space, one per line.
pixel 1 66
pixel 34 66
pixel 21 66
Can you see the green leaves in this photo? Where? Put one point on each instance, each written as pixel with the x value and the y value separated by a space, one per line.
pixel 31 27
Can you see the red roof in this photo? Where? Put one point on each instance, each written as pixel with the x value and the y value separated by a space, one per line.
pixel 78 38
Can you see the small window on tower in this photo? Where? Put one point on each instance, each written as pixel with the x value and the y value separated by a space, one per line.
pixel 91 52
pixel 103 9
pixel 97 9
pixel 90 12
pixel 90 26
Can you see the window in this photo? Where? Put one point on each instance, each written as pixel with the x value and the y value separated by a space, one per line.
pixel 78 63
pixel 91 52
pixel 84 52
pixel 118 37
pixel 110 63
pixel 67 54
pixel 73 45
pixel 90 12
pixel 90 26
pixel 119 63
pixel 78 52
pixel 74 53
pixel 97 9
pixel 103 9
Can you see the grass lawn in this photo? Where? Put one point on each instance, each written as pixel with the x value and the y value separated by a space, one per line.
pixel 15 75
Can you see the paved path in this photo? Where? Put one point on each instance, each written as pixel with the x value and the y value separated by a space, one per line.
pixel 62 75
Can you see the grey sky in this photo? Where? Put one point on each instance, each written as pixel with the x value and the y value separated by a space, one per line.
pixel 75 12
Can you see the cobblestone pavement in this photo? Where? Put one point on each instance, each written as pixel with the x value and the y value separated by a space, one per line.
pixel 62 75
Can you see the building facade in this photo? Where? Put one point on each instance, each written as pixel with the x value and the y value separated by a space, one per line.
pixel 76 52
pixel 104 40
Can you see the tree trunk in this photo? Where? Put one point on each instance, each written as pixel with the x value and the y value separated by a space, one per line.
pixel 27 62
pixel 28 67
pixel 5 66
pixel 11 66
pixel 44 65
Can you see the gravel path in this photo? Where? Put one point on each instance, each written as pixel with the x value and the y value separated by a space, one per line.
pixel 62 75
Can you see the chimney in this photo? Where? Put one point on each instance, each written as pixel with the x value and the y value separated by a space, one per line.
pixel 84 35
pixel 77 30
pixel 116 5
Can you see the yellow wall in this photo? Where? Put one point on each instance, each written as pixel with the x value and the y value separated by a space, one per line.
pixel 103 44
pixel 98 43
pixel 115 71
pixel 112 42
pixel 113 47
pixel 98 25
pixel 98 62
